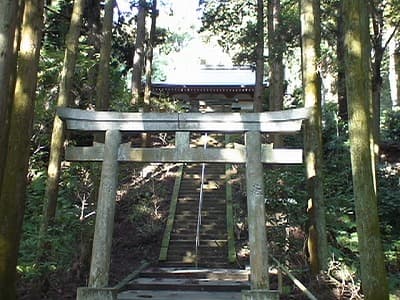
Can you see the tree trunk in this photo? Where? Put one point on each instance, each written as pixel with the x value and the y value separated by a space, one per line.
pixel 379 50
pixel 149 70
pixel 341 75
pixel 138 56
pixel 149 56
pixel 8 20
pixel 310 44
pixel 394 72
pixel 358 85
pixel 259 84
pixel 13 185
pixel 94 36
pixel 57 138
pixel 103 78
pixel 275 50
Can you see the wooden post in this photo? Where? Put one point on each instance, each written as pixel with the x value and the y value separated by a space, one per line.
pixel 256 212
pixel 84 293
pixel 182 141
pixel 104 226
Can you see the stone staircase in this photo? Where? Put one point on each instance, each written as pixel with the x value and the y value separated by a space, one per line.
pixel 183 274
pixel 213 246
pixel 171 283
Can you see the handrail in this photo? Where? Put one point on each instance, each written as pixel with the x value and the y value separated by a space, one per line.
pixel 203 167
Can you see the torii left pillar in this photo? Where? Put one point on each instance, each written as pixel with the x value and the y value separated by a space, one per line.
pixel 104 227
pixel 259 278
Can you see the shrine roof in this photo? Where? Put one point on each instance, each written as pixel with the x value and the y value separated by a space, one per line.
pixel 210 76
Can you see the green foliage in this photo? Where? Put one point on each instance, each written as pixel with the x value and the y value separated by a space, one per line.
pixel 339 199
pixel 57 24
pixel 120 94
pixel 290 25
pixel 389 210
pixel 63 237
pixel 329 15
pixel 284 189
pixel 234 24
pixel 144 217
pixel 390 128
pixel 172 41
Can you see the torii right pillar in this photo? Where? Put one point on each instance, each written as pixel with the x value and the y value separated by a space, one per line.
pixel 259 278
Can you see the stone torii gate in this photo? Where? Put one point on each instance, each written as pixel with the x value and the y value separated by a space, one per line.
pixel 253 154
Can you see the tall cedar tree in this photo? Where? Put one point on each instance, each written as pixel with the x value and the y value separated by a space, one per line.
pixel 57 137
pixel 103 78
pixel 310 45
pixel 103 93
pixel 259 87
pixel 394 70
pixel 377 18
pixel 275 60
pixel 358 86
pixel 13 186
pixel 138 57
pixel 149 68
pixel 8 18
pixel 149 56
pixel 341 75
pixel 275 53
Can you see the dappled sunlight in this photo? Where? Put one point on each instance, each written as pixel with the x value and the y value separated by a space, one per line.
pixel 189 257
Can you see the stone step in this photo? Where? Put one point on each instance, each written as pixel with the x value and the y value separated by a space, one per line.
pixel 202 263
pixel 221 235
pixel 205 273
pixel 208 243
pixel 213 233
pixel 173 295
pixel 206 220
pixel 191 225
pixel 208 211
pixel 207 201
pixel 190 284
pixel 189 251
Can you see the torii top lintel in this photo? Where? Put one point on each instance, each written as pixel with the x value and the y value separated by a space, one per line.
pixel 276 121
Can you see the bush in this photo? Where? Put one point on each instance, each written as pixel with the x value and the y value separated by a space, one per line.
pixel 390 126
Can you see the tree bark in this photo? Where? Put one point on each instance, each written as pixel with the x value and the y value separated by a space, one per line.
pixel 358 85
pixel 149 56
pixel 394 72
pixel 377 40
pixel 149 69
pixel 275 49
pixel 103 78
pixel 275 59
pixel 94 34
pixel 8 20
pixel 259 84
pixel 57 137
pixel 341 75
pixel 310 45
pixel 13 185
pixel 138 57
